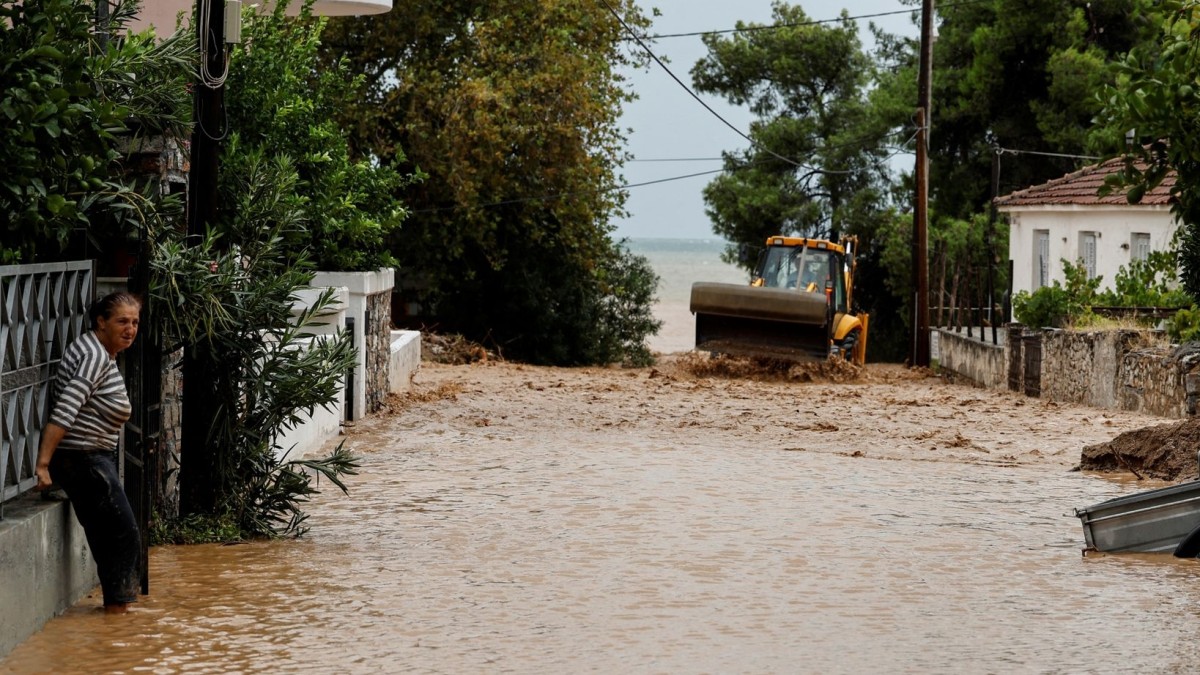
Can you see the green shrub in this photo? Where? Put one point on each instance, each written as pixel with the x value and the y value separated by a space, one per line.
pixel 231 306
pixel 1056 305
pixel 66 98
pixel 1153 282
pixel 1185 325
pixel 282 101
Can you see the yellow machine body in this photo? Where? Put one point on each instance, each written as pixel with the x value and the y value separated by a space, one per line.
pixel 798 306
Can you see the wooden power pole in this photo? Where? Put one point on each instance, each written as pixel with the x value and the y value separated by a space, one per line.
pixel 920 343
pixel 199 471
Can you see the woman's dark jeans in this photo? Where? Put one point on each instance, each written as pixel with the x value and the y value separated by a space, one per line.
pixel 93 485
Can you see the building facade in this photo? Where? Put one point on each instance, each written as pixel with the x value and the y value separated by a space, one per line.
pixel 1067 219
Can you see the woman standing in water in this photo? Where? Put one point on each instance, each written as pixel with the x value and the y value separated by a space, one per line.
pixel 79 445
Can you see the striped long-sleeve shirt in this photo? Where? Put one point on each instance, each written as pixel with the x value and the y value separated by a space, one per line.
pixel 90 399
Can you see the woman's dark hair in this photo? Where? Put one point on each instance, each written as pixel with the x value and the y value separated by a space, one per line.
pixel 104 306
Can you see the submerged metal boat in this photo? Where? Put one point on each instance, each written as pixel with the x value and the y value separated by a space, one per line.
pixel 1152 521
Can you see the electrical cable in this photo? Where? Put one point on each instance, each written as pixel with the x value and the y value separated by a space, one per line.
pixel 1010 151
pixel 207 79
pixel 563 195
pixel 800 24
pixel 693 94
pixel 520 200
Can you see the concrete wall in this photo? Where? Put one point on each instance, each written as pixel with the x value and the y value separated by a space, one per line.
pixel 972 358
pixel 45 566
pixel 405 360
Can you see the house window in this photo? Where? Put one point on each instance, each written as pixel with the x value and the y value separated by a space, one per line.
pixel 1041 258
pixel 1087 252
pixel 1140 246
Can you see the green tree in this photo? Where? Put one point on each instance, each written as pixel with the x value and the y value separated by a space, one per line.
pixel 510 109
pixel 71 90
pixel 1156 94
pixel 282 99
pixel 233 302
pixel 1021 75
pixel 816 164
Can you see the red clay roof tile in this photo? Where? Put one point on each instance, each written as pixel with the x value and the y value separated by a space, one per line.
pixel 1080 188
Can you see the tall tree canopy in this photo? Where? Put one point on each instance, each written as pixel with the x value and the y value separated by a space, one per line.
pixel 1157 96
pixel 816 164
pixel 510 110
pixel 1021 74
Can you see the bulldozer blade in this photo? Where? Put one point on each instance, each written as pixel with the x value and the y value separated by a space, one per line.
pixel 764 322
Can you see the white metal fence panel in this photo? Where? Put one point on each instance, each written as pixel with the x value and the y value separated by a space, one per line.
pixel 43 308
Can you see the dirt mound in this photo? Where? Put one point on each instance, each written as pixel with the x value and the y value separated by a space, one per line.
pixel 1166 452
pixel 702 364
pixel 705 365
pixel 452 349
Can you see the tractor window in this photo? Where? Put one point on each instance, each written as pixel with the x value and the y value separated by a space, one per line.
pixel 781 267
pixel 805 269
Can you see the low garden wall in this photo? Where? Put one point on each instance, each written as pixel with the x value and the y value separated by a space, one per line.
pixel 1138 371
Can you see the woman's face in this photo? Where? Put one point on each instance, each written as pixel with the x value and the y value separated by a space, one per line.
pixel 117 331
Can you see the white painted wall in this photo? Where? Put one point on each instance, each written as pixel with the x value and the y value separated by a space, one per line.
pixel 310 436
pixel 1114 227
pixel 405 360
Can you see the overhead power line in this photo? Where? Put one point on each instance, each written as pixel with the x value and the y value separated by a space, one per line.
pixel 714 113
pixel 564 195
pixel 800 24
pixel 1010 151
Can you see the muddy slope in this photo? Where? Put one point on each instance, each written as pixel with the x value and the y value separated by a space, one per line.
pixel 1165 451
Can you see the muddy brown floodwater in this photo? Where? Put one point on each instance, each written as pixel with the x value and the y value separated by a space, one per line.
pixel 537 520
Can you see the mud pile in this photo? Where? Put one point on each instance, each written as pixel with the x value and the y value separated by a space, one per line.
pixel 700 364
pixel 1165 452
pixel 452 349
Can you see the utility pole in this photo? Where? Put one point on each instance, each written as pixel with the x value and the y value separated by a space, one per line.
pixel 198 470
pixel 920 344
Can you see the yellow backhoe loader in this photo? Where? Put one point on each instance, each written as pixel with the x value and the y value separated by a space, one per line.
pixel 796 308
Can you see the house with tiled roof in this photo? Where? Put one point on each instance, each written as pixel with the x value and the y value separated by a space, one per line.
pixel 1067 219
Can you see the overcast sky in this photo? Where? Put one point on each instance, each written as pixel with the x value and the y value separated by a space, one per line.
pixel 667 123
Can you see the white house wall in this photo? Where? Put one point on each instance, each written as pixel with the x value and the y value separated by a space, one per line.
pixel 1114 227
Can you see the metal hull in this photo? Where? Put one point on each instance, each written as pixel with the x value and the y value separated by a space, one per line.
pixel 1154 521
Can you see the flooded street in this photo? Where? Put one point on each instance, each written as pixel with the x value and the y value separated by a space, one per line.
pixel 530 520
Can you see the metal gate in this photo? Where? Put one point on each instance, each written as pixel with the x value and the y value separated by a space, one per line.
pixel 143 379
pixel 43 308
pixel 1033 364
pixel 1016 357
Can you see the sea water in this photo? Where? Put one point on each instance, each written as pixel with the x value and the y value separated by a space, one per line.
pixel 679 263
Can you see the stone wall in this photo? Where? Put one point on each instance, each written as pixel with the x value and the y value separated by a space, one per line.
pixel 1129 370
pixel 170 445
pixel 378 347
pixel 1083 367
pixel 1151 381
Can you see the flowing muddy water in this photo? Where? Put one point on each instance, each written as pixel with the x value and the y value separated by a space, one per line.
pixel 515 519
